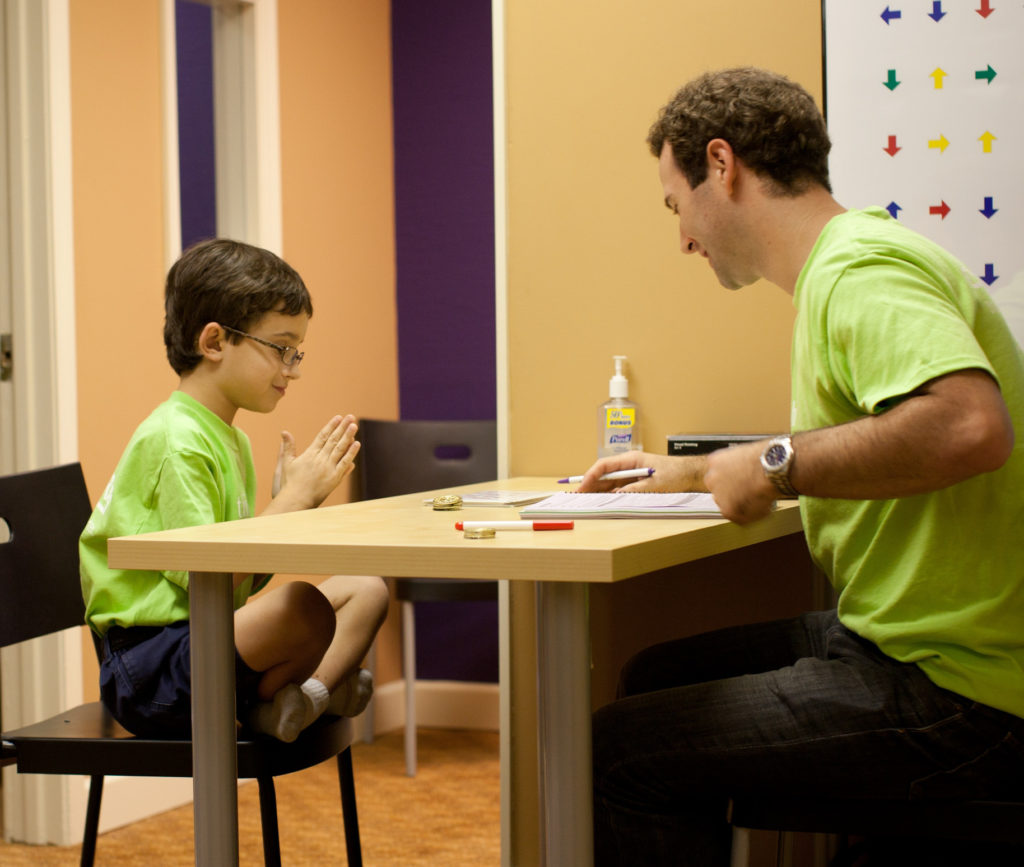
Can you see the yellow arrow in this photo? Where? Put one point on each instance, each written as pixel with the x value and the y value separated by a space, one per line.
pixel 986 139
pixel 938 74
pixel 941 143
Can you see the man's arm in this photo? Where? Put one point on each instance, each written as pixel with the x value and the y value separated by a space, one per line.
pixel 948 430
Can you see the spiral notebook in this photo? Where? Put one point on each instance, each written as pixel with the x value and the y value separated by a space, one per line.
pixel 624 505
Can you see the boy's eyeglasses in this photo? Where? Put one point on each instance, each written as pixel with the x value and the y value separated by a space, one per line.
pixel 290 356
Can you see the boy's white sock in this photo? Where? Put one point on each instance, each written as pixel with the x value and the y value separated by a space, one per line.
pixel 351 698
pixel 292 709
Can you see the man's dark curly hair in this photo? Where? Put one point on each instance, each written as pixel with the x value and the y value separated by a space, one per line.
pixel 772 124
pixel 228 282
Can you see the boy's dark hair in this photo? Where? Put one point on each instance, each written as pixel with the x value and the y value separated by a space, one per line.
pixel 772 124
pixel 230 283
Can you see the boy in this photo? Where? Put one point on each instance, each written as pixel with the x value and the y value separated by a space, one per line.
pixel 234 317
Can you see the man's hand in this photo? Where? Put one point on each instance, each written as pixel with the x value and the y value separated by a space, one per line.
pixel 738 482
pixel 670 474
pixel 304 481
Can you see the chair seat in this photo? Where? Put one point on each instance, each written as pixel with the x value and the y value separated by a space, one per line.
pixel 444 590
pixel 87 737
pixel 998 821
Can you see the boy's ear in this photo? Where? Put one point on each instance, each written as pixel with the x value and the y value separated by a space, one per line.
pixel 211 341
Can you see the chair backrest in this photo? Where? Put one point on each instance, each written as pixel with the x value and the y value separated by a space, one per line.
pixel 401 457
pixel 42 514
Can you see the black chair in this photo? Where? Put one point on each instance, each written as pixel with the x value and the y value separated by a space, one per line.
pixel 402 457
pixel 978 821
pixel 40 593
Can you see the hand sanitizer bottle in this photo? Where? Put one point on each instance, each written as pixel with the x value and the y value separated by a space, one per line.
pixel 618 417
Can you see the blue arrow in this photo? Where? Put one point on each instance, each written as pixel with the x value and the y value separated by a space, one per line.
pixel 989 276
pixel 894 210
pixel 988 210
pixel 937 14
pixel 889 14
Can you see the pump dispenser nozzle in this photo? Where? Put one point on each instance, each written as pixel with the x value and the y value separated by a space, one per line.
pixel 618 385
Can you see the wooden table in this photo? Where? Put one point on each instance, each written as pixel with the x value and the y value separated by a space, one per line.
pixel 401 537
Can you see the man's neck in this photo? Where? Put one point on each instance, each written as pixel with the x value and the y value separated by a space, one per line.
pixel 789 229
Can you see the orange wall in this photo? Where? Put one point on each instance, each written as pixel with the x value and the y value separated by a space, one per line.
pixel 118 225
pixel 338 230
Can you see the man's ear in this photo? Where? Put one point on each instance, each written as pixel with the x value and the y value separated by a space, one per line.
pixel 722 163
pixel 211 341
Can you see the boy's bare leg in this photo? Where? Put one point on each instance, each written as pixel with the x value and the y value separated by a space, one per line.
pixel 360 604
pixel 284 633
pixel 286 637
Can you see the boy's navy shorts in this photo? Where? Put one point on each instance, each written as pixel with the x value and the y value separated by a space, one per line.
pixel 146 682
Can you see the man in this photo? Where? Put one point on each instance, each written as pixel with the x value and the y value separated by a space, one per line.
pixel 907 387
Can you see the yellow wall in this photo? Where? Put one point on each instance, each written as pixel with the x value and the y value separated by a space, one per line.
pixel 338 222
pixel 594 262
pixel 594 270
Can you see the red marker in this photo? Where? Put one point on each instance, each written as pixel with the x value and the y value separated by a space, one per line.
pixel 515 525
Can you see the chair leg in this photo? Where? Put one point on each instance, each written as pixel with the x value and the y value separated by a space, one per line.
pixel 92 820
pixel 367 715
pixel 740 847
pixel 349 814
pixel 784 849
pixel 409 672
pixel 268 819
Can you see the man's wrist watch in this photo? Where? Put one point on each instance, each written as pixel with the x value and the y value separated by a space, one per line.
pixel 777 461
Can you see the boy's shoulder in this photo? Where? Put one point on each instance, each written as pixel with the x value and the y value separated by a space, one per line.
pixel 182 423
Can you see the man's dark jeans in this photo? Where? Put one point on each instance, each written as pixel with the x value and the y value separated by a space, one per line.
pixel 798 707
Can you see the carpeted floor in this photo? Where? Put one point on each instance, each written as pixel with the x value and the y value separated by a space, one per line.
pixel 447 815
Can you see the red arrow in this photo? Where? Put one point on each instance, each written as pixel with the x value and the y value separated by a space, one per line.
pixel 892 148
pixel 941 210
pixel 986 8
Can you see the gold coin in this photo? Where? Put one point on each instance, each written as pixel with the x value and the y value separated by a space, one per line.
pixel 447 502
pixel 479 533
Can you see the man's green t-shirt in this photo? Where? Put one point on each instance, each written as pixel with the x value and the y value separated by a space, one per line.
pixel 183 467
pixel 935 579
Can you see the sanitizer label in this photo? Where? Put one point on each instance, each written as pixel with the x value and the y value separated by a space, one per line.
pixel 620 418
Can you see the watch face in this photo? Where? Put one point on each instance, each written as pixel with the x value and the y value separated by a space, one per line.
pixel 775 456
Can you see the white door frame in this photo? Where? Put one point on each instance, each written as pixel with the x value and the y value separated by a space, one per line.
pixel 40 677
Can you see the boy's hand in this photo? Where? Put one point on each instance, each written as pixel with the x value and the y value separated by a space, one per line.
pixel 304 481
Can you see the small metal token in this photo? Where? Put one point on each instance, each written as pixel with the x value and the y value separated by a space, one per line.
pixel 479 533
pixel 447 502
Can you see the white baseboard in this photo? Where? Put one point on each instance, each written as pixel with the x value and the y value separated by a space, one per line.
pixel 130 799
pixel 442 704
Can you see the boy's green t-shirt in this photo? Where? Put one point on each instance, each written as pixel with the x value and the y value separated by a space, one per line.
pixel 184 466
pixel 935 579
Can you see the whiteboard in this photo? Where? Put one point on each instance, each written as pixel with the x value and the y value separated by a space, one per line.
pixel 925 107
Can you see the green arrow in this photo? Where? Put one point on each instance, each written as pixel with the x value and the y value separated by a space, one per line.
pixel 987 74
pixel 891 81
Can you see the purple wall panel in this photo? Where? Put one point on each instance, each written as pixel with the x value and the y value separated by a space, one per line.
pixel 197 173
pixel 444 207
pixel 444 241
